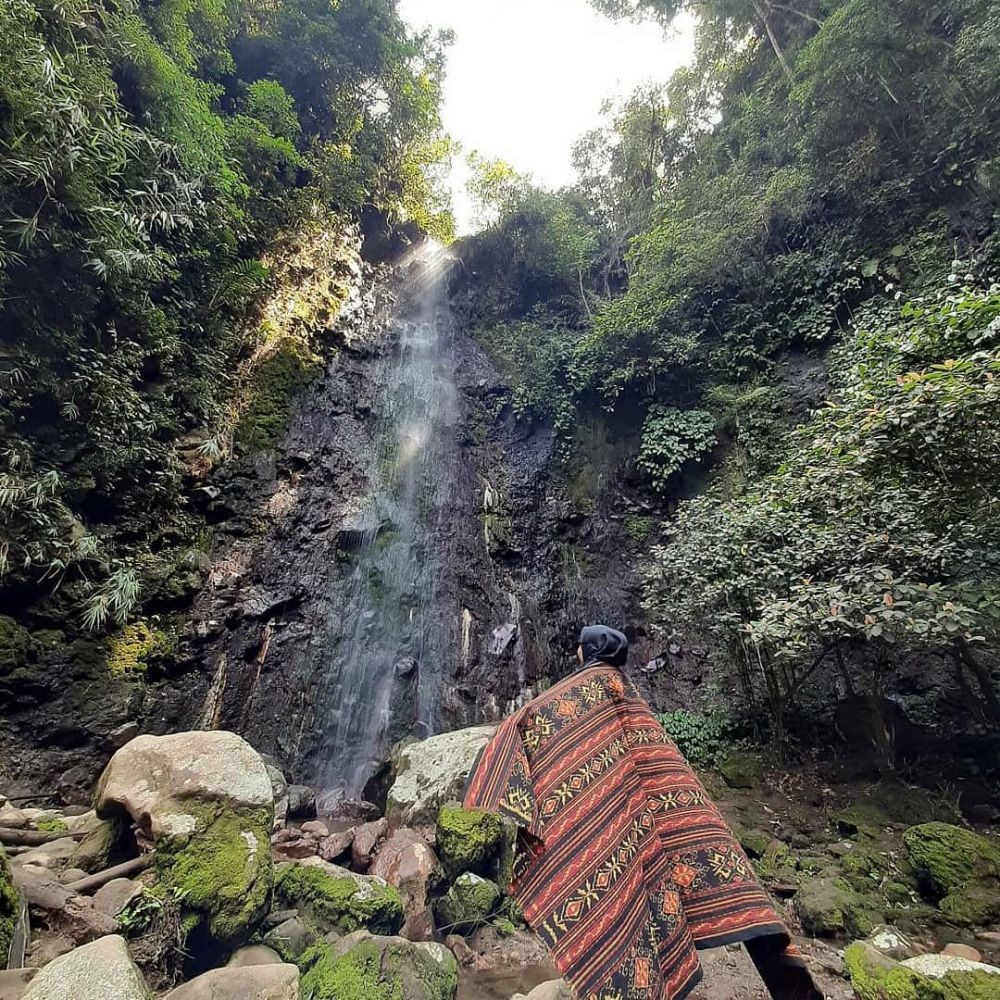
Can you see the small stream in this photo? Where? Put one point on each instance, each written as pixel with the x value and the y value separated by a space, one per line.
pixel 386 632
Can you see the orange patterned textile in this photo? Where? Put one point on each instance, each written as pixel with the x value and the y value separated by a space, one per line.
pixel 625 866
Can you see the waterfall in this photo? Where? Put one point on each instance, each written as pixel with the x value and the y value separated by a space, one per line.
pixel 387 629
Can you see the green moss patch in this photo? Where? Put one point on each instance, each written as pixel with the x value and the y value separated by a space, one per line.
pixel 276 381
pixel 877 977
pixel 135 646
pixel 339 902
pixel 222 873
pixel 378 968
pixel 468 839
pixel 949 858
pixel 51 826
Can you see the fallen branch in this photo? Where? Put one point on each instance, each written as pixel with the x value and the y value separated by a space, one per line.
pixel 132 867
pixel 35 838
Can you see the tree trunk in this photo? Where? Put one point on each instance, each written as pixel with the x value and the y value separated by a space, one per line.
pixel 764 14
pixel 983 679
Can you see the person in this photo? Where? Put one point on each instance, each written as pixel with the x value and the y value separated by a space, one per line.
pixel 623 865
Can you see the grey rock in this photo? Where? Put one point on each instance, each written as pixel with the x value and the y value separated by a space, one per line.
pixel 252 955
pixel 432 772
pixel 257 982
pixel 101 970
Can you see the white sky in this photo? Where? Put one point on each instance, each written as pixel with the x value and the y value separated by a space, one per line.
pixel 526 78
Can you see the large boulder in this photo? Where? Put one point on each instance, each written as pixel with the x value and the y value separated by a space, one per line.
pixel 101 970
pixel 255 982
pixel 363 967
pixel 949 857
pixel 335 899
pixel 205 799
pixel 408 863
pixel 433 772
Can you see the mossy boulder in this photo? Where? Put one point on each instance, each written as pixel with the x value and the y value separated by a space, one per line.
pixel 471 902
pixel 877 977
pixel 222 871
pixel 949 858
pixel 10 905
pixel 205 800
pixel 829 907
pixel 335 899
pixel 363 967
pixel 740 770
pixel 973 905
pixel 469 839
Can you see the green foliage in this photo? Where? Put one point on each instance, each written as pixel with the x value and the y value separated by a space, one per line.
pixel 705 739
pixel 670 439
pixel 150 156
pixel 875 529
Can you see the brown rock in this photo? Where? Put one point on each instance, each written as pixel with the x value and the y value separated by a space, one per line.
pixel 255 954
pixel 461 951
pixel 305 846
pixel 317 828
pixel 957 950
pixel 262 982
pixel 366 840
pixel 406 862
pixel 336 845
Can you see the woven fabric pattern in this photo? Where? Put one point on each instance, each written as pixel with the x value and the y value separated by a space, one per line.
pixel 625 867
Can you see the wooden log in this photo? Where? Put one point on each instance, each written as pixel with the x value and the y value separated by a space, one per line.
pixel 123 870
pixel 35 838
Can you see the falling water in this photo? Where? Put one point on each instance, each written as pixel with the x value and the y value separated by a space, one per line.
pixel 386 633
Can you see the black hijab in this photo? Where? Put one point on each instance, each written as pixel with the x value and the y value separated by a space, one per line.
pixel 603 645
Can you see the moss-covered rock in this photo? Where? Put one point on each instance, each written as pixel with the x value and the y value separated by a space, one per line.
pixel 134 646
pixel 335 899
pixel 9 905
pixel 205 800
pixel 949 858
pixel 276 380
pixel 829 907
pixel 222 871
pixel 754 842
pixel 862 821
pixel 469 903
pixel 363 967
pixel 876 977
pixel 740 770
pixel 973 905
pixel 469 839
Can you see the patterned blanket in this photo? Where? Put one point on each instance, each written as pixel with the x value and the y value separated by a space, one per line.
pixel 625 867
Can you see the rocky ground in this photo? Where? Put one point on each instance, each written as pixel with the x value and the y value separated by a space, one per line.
pixel 201 873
